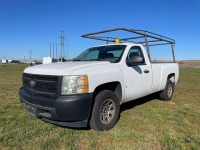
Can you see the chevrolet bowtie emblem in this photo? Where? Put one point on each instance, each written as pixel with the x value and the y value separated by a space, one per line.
pixel 32 84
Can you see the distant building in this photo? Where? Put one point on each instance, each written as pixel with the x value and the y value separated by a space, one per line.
pixel 15 61
pixel 24 61
pixel 9 61
pixel 48 60
pixel 3 61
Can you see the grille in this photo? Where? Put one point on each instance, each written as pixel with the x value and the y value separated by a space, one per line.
pixel 42 84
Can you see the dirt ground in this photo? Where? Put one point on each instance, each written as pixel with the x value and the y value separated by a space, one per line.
pixel 189 63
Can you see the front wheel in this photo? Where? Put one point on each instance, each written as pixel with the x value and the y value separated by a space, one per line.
pixel 167 93
pixel 106 111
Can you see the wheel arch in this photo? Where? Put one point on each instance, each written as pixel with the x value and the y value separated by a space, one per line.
pixel 165 78
pixel 171 77
pixel 114 86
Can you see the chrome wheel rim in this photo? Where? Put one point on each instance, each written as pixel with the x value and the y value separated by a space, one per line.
pixel 170 90
pixel 107 111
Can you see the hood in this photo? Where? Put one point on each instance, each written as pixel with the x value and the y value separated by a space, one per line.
pixel 62 68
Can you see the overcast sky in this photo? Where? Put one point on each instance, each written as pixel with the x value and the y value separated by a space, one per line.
pixel 33 24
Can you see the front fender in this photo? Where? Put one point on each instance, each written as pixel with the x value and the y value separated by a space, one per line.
pixel 104 75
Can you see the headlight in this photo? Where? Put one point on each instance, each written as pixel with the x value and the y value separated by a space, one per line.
pixel 74 84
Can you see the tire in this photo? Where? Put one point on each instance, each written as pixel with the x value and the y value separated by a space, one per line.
pixel 167 93
pixel 105 111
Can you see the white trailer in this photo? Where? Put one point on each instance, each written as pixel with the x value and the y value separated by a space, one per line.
pixel 48 60
pixel 4 61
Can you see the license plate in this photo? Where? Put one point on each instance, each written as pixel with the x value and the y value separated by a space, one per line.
pixel 31 111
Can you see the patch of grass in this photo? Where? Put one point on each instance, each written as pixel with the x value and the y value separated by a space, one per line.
pixel 147 123
pixel 170 141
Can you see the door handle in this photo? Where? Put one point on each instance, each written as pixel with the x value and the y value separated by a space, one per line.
pixel 146 71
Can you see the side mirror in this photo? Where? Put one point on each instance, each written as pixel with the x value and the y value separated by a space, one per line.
pixel 134 60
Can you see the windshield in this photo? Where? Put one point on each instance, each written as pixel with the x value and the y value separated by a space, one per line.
pixel 111 53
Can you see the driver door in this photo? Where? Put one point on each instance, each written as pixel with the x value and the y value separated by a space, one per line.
pixel 137 77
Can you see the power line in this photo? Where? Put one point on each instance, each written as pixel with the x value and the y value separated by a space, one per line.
pixel 4 56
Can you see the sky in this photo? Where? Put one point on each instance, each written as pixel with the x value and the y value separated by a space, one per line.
pixel 32 24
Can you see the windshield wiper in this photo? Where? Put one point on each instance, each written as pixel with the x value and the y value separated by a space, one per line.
pixel 98 59
pixel 76 60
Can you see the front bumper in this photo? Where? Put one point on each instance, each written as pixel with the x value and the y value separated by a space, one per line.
pixel 69 111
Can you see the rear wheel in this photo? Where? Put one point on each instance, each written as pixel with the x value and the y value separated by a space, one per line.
pixel 106 111
pixel 167 93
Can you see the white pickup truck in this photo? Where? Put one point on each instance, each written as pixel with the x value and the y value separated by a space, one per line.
pixel 90 89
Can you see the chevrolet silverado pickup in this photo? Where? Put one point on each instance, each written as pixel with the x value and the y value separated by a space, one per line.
pixel 90 89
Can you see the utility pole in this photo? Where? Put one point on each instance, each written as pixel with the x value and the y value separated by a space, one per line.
pixel 30 54
pixel 2 60
pixel 67 49
pixel 53 50
pixel 56 52
pixel 50 49
pixel 62 44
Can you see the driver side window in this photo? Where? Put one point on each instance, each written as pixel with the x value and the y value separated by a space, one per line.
pixel 135 51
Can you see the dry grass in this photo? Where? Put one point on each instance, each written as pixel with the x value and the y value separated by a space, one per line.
pixel 189 64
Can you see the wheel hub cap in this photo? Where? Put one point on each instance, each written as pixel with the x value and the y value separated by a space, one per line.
pixel 107 111
pixel 170 90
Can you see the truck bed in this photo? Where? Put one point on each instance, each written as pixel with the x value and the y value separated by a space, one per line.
pixel 160 74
